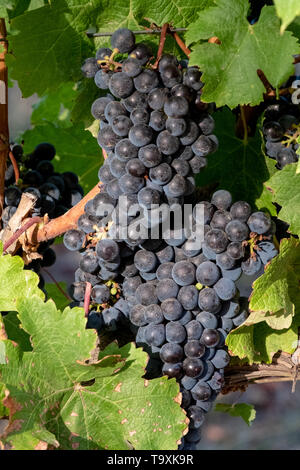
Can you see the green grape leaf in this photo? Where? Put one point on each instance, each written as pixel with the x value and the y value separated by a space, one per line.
pixel 57 397
pixel 15 332
pixel 275 294
pixel 3 410
pixel 56 295
pixel 230 68
pixel 55 106
pixel 238 166
pixel 298 153
pixel 245 411
pixel 46 50
pixel 58 32
pixel 15 281
pixel 258 342
pixel 87 93
pixel 76 150
pixel 285 188
pixel 287 10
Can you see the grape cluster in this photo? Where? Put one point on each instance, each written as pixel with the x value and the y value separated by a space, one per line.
pixel 281 127
pixel 180 298
pixel 56 193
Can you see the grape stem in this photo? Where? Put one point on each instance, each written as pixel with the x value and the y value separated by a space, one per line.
pixel 57 285
pixel 4 132
pixel 163 35
pixel 15 166
pixel 18 233
pixel 181 44
pixel 87 298
pixel 282 369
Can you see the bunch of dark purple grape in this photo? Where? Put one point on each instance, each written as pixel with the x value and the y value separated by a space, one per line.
pixel 56 193
pixel 281 128
pixel 180 298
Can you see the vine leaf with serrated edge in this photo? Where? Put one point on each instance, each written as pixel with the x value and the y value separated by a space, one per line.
pixel 230 68
pixel 58 397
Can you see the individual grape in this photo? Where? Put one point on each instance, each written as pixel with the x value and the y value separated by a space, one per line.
pixel 145 260
pixel 172 370
pixel 176 107
pixel 227 324
pixel 155 335
pixel 171 308
pixel 125 150
pixel 131 284
pixel 286 156
pixel 114 109
pixel 164 270
pixel 221 359
pixel 192 78
pixel 273 131
pixel 251 266
pixel 235 250
pixel 12 196
pixel 111 316
pixel 140 135
pixel 175 332
pixel 216 240
pixel 98 107
pixel 237 231
pixel 165 61
pixel 183 91
pixel 137 315
pixel 170 76
pixel 167 143
pixel 193 366
pixel 161 174
pixel 204 145
pixel 146 81
pixel 120 85
pixel 196 416
pixel 240 210
pixel 233 274
pixel 147 197
pixel 107 249
pixel 74 239
pixel 206 124
pixel 89 67
pixel 135 167
pixel 139 116
pixel 157 120
pixel 153 314
pixel 180 166
pixel 45 168
pixel 185 153
pixel 224 260
pixel 220 219
pixel 207 273
pixel 225 288
pixel 209 300
pixel 89 262
pixel 221 199
pixel 194 348
pixel 103 53
pixel 123 39
pixel 100 294
pixel 208 212
pixel 197 163
pixel 207 319
pixel 191 134
pixel 130 184
pixel 188 297
pixel 142 53
pixel 107 138
pixel 188 382
pixel 183 273
pixel 259 223
pixel 94 321
pixel 121 125
pixel 201 391
pixel 186 317
pixel 186 398
pixel 136 100
pixel 266 251
pixel 117 167
pixel 171 352
pixel 131 67
pixel 146 294
pixel 102 204
pixel 194 330
pixel 210 338
pixel 149 155
pixel 166 289
pixel 157 98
